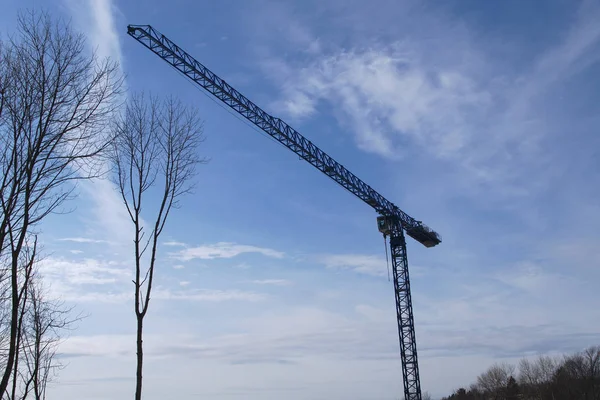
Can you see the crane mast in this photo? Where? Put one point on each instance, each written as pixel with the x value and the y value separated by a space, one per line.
pixel 392 221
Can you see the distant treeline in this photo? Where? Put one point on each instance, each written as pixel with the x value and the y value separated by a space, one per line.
pixel 573 377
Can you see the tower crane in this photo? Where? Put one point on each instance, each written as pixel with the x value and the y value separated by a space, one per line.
pixel 392 221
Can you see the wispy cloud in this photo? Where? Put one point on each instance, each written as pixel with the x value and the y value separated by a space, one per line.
pixel 372 313
pixel 97 345
pixel 109 215
pixel 87 280
pixel 208 295
pixel 389 94
pixel 83 240
pixel 97 20
pixel 370 334
pixel 87 271
pixel 298 333
pixel 276 282
pixel 92 297
pixel 577 50
pixel 91 280
pixel 77 295
pixel 445 97
pixel 516 296
pixel 174 244
pixel 531 278
pixel 361 263
pixel 223 250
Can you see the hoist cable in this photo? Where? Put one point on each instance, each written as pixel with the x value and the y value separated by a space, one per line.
pixel 387 259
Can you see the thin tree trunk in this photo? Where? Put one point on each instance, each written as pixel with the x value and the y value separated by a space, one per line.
pixel 140 358
pixel 14 326
pixel 19 337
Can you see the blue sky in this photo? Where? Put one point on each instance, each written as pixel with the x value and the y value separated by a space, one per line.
pixel 478 118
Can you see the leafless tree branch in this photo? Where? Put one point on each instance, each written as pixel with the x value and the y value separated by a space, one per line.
pixel 55 105
pixel 155 147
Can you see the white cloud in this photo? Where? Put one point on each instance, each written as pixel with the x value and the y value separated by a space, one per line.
pixel 577 50
pixel 223 250
pixel 178 266
pixel 98 345
pixel 580 253
pixel 444 97
pixel 83 240
pixel 295 333
pixel 174 243
pixel 276 282
pixel 87 271
pixel 274 375
pixel 104 31
pixel 299 104
pixel 96 19
pixel 371 333
pixel 387 93
pixel 372 313
pixel 209 295
pixel 77 295
pixel 530 277
pixel 365 264
pixel 110 217
pixel 520 295
pixel 78 280
pixel 95 297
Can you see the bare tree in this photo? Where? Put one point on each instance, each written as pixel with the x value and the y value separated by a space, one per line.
pixel 579 376
pixel 495 379
pixel 26 271
pixel 537 371
pixel 46 322
pixel 42 324
pixel 4 80
pixel 571 377
pixel 592 362
pixel 155 144
pixel 55 102
pixel 535 376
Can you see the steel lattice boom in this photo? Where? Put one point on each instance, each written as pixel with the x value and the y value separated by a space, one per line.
pixel 393 221
pixel 278 129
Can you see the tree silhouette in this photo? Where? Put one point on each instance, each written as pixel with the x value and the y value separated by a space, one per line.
pixel 512 389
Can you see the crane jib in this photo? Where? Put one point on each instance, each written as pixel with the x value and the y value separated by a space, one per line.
pixel 279 130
